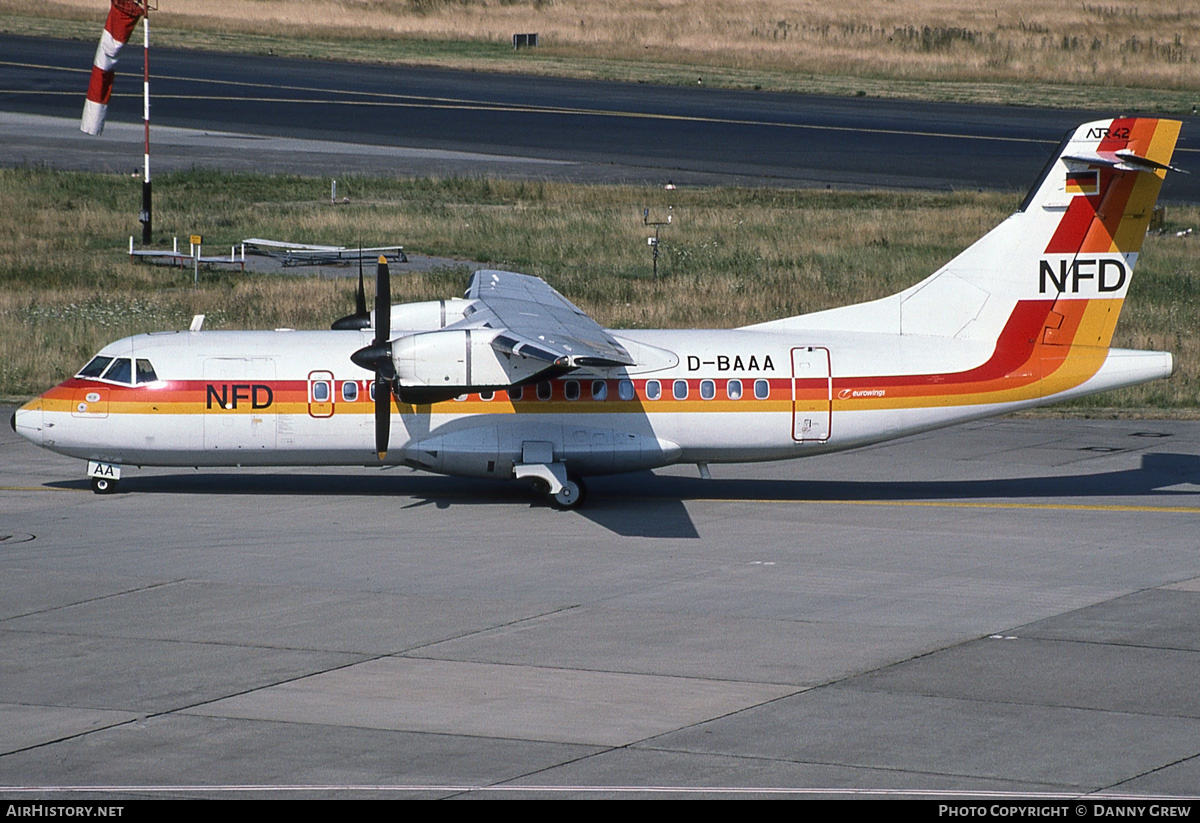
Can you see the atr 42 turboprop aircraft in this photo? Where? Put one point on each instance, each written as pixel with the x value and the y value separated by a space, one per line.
pixel 514 381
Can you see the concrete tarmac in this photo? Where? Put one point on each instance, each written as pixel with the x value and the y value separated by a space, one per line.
pixel 1005 607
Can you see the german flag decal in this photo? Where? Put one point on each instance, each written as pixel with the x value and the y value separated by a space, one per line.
pixel 1083 182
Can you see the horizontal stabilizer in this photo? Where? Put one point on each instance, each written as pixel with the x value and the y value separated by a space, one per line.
pixel 1122 160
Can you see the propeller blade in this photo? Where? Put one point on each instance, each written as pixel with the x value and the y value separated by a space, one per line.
pixel 381 353
pixel 383 302
pixel 383 415
pixel 361 319
pixel 377 357
pixel 360 299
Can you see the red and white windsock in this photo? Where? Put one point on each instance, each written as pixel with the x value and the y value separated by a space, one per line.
pixel 122 17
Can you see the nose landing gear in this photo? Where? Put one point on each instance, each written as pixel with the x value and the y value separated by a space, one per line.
pixel 103 485
pixel 105 476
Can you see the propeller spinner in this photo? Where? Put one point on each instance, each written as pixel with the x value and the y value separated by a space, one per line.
pixel 377 357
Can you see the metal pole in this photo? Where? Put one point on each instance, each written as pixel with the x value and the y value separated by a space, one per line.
pixel 657 225
pixel 655 252
pixel 145 216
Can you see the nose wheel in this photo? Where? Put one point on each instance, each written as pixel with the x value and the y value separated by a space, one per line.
pixel 103 485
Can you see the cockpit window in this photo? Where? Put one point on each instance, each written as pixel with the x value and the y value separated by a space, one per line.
pixel 145 371
pixel 96 367
pixel 121 371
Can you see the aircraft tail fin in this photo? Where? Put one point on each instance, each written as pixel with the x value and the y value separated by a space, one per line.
pixel 1074 240
pixel 1071 246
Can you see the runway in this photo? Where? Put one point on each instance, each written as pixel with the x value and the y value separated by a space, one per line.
pixel 1008 608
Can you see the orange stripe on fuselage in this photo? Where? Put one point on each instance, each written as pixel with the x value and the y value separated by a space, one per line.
pixel 1065 340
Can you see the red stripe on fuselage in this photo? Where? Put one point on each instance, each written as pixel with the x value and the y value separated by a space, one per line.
pixel 1014 350
pixel 1012 362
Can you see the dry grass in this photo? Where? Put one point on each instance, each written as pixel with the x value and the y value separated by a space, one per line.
pixel 731 257
pixel 1109 43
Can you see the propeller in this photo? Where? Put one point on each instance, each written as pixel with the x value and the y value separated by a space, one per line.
pixel 377 357
pixel 361 319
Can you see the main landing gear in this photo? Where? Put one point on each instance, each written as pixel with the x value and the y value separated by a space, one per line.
pixel 570 495
pixel 566 490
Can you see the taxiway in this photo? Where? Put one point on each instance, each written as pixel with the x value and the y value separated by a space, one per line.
pixel 1006 607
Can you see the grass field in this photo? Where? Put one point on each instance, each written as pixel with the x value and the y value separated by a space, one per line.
pixel 731 257
pixel 1131 54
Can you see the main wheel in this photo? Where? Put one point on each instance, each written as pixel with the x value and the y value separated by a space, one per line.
pixel 102 485
pixel 571 494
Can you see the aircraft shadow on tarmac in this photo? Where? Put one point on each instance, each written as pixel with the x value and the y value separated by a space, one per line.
pixel 647 505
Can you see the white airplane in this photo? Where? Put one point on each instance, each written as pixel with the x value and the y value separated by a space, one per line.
pixel 515 382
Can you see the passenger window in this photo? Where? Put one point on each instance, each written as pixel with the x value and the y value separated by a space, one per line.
pixel 625 390
pixel 680 390
pixel 516 393
pixel 321 391
pixel 486 395
pixel 121 371
pixel 349 391
pixel 733 389
pixel 708 389
pixel 96 367
pixel 145 372
pixel 572 389
pixel 653 390
pixel 544 390
pixel 371 391
pixel 599 390
pixel 761 390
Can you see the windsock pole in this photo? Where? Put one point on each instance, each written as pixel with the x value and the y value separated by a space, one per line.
pixel 122 20
pixel 144 216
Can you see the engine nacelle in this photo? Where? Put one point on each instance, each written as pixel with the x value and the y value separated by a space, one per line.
pixel 459 359
pixel 430 315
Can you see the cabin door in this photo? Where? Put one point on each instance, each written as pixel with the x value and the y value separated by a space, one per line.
pixel 812 394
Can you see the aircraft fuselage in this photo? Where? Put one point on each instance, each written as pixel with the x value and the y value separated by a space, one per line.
pixel 514 381
pixel 286 397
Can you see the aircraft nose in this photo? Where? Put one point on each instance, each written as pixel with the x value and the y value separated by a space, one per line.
pixel 27 421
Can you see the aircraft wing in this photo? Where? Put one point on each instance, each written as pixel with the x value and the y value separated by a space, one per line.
pixel 536 321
